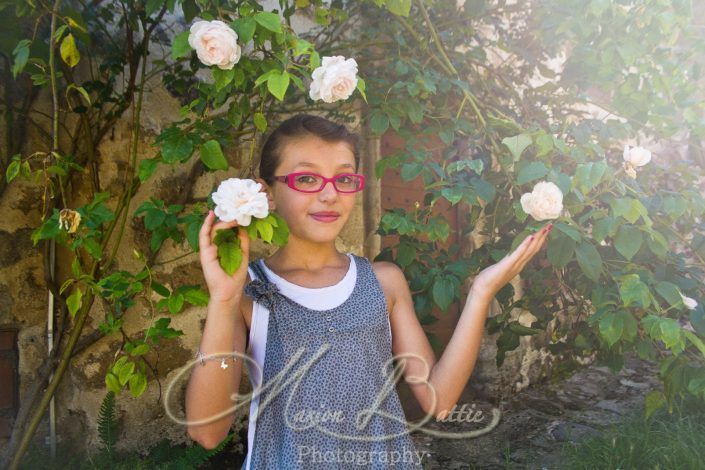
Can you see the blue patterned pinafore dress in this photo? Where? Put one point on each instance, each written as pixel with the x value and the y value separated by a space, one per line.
pixel 327 392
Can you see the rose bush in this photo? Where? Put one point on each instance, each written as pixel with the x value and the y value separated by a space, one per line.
pixel 624 265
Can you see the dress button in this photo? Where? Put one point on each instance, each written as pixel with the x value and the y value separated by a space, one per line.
pixel 328 318
pixel 331 329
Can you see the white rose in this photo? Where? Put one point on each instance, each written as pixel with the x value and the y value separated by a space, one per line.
pixel 636 156
pixel 689 302
pixel 215 43
pixel 334 80
pixel 545 201
pixel 240 199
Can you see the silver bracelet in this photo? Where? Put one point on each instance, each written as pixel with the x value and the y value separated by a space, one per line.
pixel 202 358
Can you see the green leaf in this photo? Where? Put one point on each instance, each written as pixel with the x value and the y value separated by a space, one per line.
pixel 265 230
pixel 443 292
pixel 361 88
pixel 153 219
pixel 82 91
pixel 147 168
pixel 544 144
pixel 125 372
pixel 138 384
pixel 405 254
pixel 112 382
pixel 669 292
pixel 175 303
pixel 277 84
pixel 653 401
pixel 507 341
pixel 152 6
pixel 176 148
pixel 589 260
pixel 632 290
pixel 697 342
pixel 74 301
pixel 160 289
pixel 180 46
pixel 630 325
pixel 611 327
pixel 628 208
pixel 245 28
pixel 140 350
pixel 521 330
pixel 222 77
pixel 13 169
pixel 260 122
pixel 602 228
pixel 560 251
pixel 628 241
pixel 379 123
pixel 212 156
pixel 411 170
pixel 21 53
pixel 531 172
pixel 269 20
pixel 572 232
pixel 196 296
pixel 670 332
pixel 230 255
pixel 399 7
pixel 517 144
pixel 69 51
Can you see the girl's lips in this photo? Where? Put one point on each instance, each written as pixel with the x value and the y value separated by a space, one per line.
pixel 325 218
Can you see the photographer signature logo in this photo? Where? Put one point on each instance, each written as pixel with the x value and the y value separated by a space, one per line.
pixel 318 418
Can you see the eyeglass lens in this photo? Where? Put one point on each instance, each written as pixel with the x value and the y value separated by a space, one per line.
pixel 311 182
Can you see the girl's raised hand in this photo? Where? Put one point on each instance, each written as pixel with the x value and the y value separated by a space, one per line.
pixel 491 279
pixel 221 286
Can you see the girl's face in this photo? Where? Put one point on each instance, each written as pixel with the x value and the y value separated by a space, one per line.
pixel 299 209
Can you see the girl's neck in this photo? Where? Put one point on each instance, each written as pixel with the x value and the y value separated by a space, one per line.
pixel 298 256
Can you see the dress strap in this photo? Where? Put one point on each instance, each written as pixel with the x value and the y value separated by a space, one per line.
pixel 256 266
pixel 261 289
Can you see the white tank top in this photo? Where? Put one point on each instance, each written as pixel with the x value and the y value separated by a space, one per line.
pixel 323 298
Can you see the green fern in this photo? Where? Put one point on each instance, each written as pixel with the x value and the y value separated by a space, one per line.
pixel 162 456
pixel 107 427
pixel 166 457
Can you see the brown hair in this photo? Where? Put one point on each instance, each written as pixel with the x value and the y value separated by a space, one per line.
pixel 302 125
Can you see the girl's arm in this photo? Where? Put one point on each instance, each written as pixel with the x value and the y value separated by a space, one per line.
pixel 211 387
pixel 437 385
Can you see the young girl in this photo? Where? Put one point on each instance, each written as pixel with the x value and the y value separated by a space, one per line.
pixel 321 327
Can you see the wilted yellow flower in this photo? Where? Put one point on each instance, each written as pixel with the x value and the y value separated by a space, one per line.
pixel 69 220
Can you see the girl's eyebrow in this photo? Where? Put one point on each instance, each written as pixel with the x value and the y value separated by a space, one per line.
pixel 342 165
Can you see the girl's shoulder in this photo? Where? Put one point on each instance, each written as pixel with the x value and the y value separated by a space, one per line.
pixel 391 279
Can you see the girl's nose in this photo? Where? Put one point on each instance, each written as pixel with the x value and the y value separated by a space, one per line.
pixel 328 191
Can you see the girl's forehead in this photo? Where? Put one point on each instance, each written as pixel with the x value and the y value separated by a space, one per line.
pixel 315 153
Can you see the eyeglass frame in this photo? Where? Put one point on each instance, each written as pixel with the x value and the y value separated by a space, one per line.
pixel 289 180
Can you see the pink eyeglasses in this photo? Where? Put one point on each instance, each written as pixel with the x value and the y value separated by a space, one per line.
pixel 312 183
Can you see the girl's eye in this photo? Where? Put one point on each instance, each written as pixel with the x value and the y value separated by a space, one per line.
pixel 306 179
pixel 345 179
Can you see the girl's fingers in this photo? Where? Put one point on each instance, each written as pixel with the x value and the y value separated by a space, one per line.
pixel 533 245
pixel 220 226
pixel 204 239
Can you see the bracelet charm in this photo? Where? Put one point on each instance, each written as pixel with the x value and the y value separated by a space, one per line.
pixel 202 358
